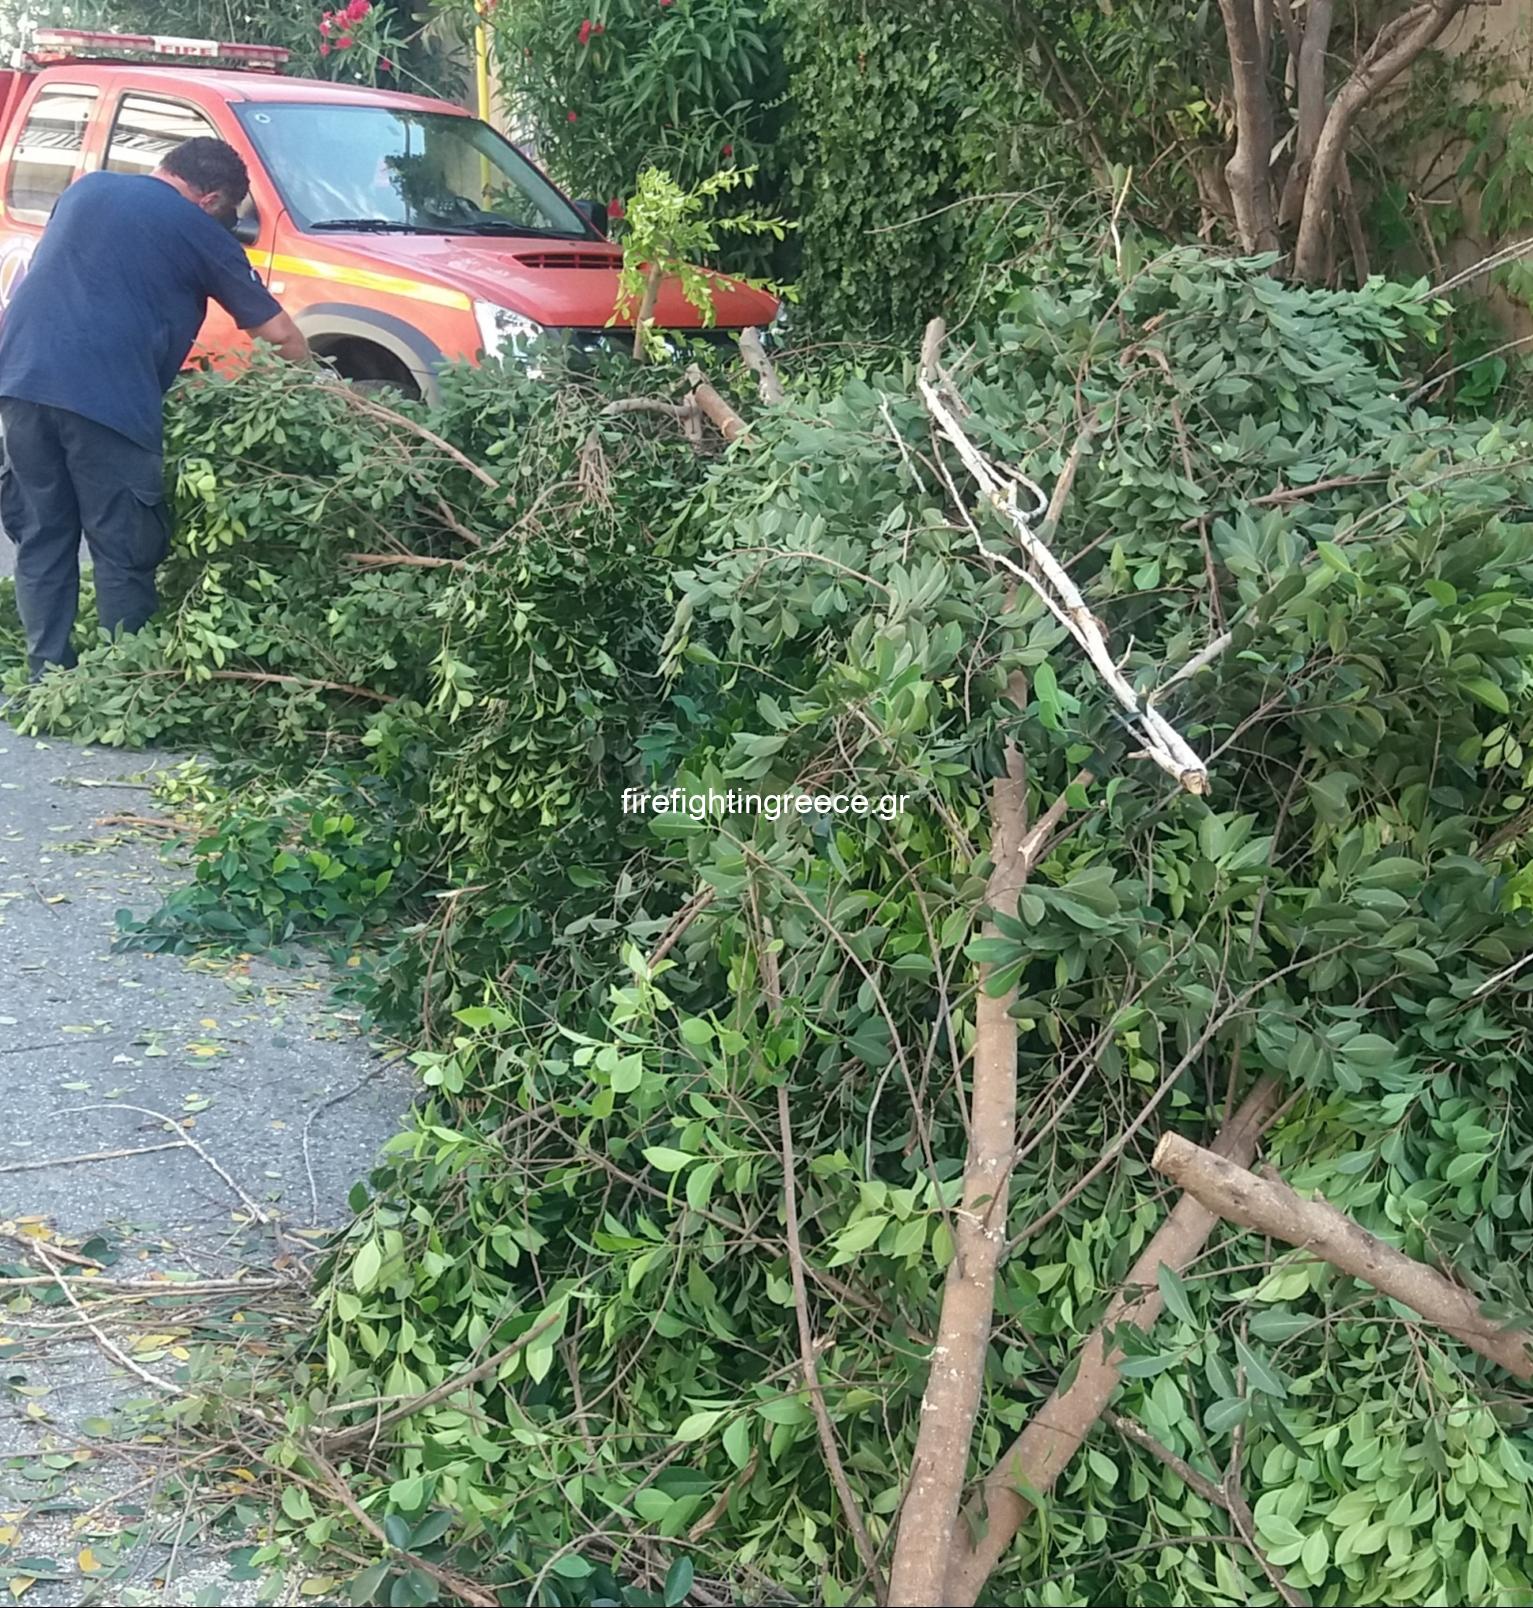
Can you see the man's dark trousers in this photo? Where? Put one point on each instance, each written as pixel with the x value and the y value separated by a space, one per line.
pixel 66 476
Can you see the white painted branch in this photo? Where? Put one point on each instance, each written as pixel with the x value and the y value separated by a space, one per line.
pixel 1049 579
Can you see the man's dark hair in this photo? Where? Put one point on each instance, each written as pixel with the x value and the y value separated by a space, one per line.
pixel 209 165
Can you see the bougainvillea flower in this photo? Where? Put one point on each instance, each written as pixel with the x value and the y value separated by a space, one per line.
pixel 615 208
pixel 585 32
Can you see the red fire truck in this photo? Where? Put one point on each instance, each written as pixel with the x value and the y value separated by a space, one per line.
pixel 400 232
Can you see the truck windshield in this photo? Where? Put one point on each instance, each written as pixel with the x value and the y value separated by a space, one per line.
pixel 378 167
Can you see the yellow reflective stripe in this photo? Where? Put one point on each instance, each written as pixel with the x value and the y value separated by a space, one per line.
pixel 365 279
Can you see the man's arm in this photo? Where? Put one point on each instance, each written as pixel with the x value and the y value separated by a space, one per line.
pixel 285 335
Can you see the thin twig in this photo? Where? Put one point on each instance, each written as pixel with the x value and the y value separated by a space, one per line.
pixel 1230 1502
pixel 334 1100
pixel 261 1216
pixel 107 1345
pixel 828 1446
pixel 448 1387
pixel 91 1155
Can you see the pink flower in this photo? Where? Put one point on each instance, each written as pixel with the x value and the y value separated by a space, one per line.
pixel 324 49
pixel 729 150
pixel 358 9
pixel 600 28
pixel 570 117
pixel 585 32
pixel 615 208
pixel 344 42
pixel 324 23
pixel 386 64
pixel 665 3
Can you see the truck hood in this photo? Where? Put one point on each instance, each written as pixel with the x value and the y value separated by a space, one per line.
pixel 562 284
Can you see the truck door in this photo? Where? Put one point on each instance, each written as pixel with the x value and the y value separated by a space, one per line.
pixel 144 128
pixel 47 154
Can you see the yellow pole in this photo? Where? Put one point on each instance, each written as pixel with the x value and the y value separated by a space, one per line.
pixel 482 68
pixel 482 95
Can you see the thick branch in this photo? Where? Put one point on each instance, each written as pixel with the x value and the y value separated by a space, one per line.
pixel 1395 48
pixel 1054 1434
pixel 1248 170
pixel 929 1524
pixel 652 283
pixel 725 420
pixel 1270 1207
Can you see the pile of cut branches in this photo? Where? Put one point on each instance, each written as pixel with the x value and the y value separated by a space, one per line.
pixel 783 1206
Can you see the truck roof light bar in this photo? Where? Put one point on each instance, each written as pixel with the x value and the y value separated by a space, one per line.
pixel 50 45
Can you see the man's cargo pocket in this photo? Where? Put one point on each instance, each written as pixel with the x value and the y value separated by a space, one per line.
pixel 154 528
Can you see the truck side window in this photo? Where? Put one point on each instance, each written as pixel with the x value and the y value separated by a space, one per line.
pixel 47 154
pixel 146 128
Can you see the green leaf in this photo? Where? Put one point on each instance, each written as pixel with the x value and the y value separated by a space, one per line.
pixel 1260 1373
pixel 364 1270
pixel 1316 1554
pixel 1488 692
pixel 1174 1293
pixel 678 1582
pixel 696 1426
pixel 856 1238
pixel 737 1442
pixel 667 1161
pixel 1224 1415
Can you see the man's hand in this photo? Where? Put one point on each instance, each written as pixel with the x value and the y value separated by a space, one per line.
pixel 285 335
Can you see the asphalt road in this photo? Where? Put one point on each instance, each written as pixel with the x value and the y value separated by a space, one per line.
pixel 103 1052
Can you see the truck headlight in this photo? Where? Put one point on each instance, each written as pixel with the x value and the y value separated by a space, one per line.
pixel 503 333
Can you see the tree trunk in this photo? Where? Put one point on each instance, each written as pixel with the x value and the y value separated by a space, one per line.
pixel 1270 1207
pixel 1054 1434
pixel 929 1517
pixel 1395 48
pixel 1248 171
pixel 1309 84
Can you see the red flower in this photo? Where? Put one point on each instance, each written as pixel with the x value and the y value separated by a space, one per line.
pixel 665 3
pixel 729 150
pixel 569 117
pixel 343 42
pixel 324 24
pixel 358 9
pixel 585 32
pixel 615 208
pixel 324 50
pixel 386 64
pixel 600 28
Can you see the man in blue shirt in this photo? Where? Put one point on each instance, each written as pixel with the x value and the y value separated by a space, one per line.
pixel 91 341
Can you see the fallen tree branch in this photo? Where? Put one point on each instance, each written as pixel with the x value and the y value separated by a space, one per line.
pixel 1055 1432
pixel 1271 1207
pixel 827 1431
pixel 264 677
pixel 929 1530
pixel 415 560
